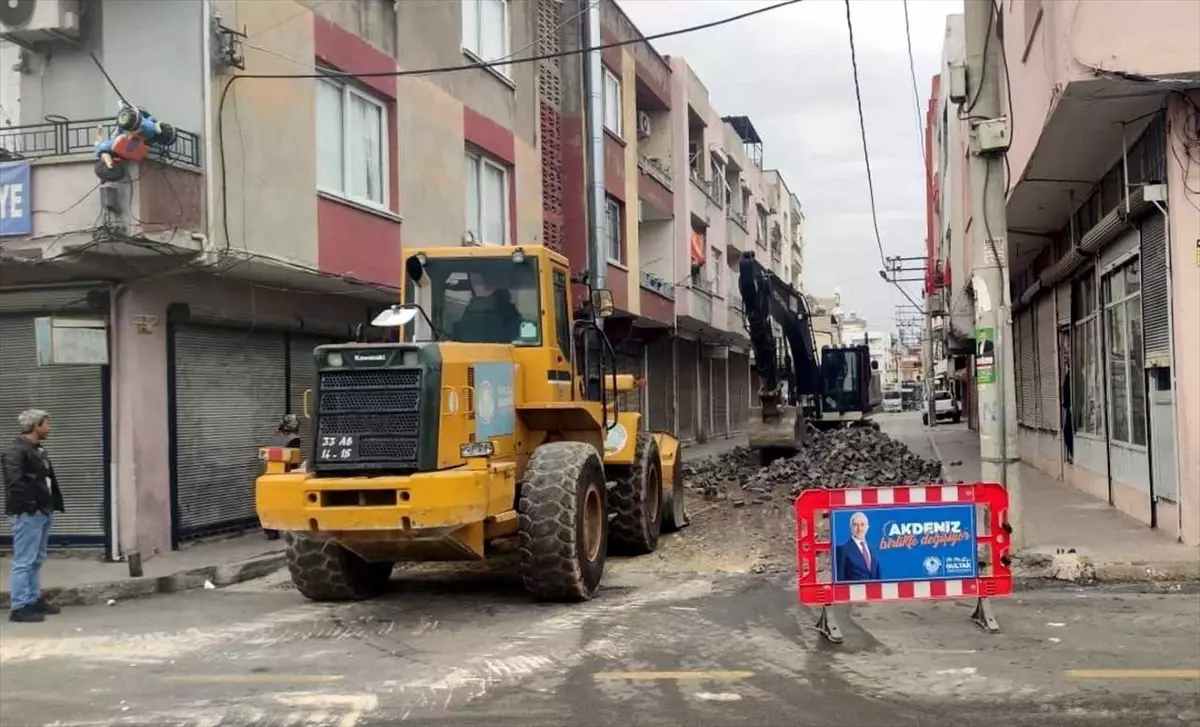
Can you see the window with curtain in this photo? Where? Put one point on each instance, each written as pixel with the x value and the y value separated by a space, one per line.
pixel 352 154
pixel 612 229
pixel 1121 291
pixel 485 30
pixel 612 102
pixel 487 200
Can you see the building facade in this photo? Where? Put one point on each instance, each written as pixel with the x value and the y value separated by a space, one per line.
pixel 193 288
pixel 1102 224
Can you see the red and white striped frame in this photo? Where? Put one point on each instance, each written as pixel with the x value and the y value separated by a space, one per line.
pixel 812 503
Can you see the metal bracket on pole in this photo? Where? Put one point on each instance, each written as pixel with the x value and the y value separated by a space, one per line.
pixel 984 617
pixel 828 626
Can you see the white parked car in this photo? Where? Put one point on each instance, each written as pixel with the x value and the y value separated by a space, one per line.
pixel 893 400
pixel 945 406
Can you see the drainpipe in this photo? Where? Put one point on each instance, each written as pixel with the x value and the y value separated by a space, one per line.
pixel 210 185
pixel 594 119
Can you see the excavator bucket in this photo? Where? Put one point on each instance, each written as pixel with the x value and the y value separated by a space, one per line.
pixel 782 437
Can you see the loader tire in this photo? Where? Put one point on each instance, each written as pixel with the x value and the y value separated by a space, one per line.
pixel 637 500
pixel 674 517
pixel 322 570
pixel 563 522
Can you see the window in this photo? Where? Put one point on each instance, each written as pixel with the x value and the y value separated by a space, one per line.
pixel 562 313
pixel 478 300
pixel 485 29
pixel 1086 378
pixel 487 200
pixel 351 144
pixel 1122 294
pixel 612 102
pixel 612 229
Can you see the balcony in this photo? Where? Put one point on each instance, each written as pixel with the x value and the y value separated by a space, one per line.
pixel 658 170
pixel 736 235
pixel 655 284
pixel 159 200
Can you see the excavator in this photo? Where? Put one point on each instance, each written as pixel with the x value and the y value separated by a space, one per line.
pixel 837 387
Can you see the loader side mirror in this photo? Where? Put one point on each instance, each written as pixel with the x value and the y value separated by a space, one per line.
pixel 602 302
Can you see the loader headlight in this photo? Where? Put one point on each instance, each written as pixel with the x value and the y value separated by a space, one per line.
pixel 477 449
pixel 410 358
pixel 335 359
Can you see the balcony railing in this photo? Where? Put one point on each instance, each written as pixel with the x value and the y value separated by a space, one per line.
pixel 657 169
pixel 655 284
pixel 63 138
pixel 740 219
pixel 702 285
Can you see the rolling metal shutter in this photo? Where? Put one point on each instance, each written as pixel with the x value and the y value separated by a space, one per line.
pixel 629 361
pixel 1026 368
pixel 660 385
pixel 720 397
pixel 75 398
pixel 1047 375
pixel 739 391
pixel 685 356
pixel 303 372
pixel 229 392
pixel 705 389
pixel 1156 301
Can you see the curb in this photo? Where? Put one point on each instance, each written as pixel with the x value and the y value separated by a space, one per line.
pixel 221 575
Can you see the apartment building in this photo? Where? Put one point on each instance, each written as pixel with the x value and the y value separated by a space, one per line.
pixel 273 222
pixel 1102 222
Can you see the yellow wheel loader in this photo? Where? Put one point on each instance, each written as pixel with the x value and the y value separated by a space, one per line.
pixel 490 421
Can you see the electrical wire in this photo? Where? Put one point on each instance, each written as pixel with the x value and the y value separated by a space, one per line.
pixel 862 127
pixel 441 70
pixel 912 72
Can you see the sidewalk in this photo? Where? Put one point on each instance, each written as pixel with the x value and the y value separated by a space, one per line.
pixel 75 580
pixel 1069 535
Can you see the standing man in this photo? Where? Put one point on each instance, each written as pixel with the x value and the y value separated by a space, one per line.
pixel 32 497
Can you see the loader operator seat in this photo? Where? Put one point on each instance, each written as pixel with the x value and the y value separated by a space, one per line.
pixel 491 316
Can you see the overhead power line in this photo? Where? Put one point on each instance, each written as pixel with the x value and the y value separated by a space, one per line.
pixel 912 72
pixel 862 127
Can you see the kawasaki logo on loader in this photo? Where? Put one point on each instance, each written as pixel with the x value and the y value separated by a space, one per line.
pixel 359 358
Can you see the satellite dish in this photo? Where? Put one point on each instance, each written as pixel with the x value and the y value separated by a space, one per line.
pixel 395 317
pixel 16 13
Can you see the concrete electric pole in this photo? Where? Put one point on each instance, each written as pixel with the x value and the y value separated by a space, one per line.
pixel 994 365
pixel 927 351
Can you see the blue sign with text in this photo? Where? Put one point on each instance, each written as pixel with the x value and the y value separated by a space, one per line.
pixel 495 409
pixel 904 543
pixel 16 216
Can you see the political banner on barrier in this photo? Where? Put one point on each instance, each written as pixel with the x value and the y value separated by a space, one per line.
pixel 907 543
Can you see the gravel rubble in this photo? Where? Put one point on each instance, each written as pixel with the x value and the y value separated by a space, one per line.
pixel 858 457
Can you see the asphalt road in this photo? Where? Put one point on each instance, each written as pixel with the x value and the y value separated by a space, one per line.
pixel 658 646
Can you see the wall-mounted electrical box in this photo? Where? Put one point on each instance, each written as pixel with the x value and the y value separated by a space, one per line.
pixel 992 135
pixel 957 87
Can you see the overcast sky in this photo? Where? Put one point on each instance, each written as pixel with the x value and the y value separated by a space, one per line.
pixel 789 70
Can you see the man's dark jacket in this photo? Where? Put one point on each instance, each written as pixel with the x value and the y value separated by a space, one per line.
pixel 26 467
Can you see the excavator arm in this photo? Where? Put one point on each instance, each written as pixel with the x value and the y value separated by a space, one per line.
pixel 766 296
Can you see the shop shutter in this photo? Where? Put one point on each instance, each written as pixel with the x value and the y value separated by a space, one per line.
pixel 685 356
pixel 739 391
pixel 660 385
pixel 303 370
pixel 1026 368
pixel 630 360
pixel 1156 302
pixel 1047 370
pixel 74 396
pixel 720 397
pixel 230 389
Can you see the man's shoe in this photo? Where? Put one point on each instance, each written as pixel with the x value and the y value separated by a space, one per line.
pixel 48 609
pixel 28 614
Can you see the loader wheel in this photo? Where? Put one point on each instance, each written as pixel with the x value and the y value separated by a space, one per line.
pixel 322 570
pixel 637 500
pixel 563 522
pixel 674 517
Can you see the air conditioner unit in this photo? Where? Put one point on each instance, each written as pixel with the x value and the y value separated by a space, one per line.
pixel 26 22
pixel 643 125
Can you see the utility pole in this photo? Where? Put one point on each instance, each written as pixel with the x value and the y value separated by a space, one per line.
pixel 990 134
pixel 927 351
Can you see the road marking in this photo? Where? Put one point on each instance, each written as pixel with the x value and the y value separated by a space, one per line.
pixel 255 678
pixel 1134 673
pixel 718 696
pixel 354 704
pixel 650 676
